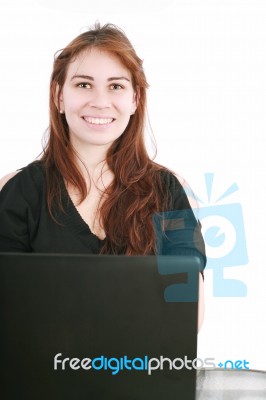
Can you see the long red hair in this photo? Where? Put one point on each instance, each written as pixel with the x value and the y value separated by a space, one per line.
pixel 137 191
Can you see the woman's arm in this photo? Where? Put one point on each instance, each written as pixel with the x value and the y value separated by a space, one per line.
pixel 6 178
pixel 181 232
pixel 20 203
pixel 201 302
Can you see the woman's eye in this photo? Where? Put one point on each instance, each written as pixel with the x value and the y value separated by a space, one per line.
pixel 84 85
pixel 116 86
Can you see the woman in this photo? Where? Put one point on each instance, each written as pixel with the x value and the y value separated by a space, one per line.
pixel 95 189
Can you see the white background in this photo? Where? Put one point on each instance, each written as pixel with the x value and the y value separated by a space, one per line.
pixel 206 65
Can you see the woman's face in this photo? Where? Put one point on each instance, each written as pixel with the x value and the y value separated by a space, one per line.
pixel 97 98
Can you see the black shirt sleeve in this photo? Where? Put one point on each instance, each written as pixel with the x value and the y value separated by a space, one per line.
pixel 177 231
pixel 19 209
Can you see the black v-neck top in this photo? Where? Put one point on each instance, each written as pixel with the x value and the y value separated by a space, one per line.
pixel 26 225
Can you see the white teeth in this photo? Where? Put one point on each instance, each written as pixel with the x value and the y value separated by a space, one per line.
pixel 98 121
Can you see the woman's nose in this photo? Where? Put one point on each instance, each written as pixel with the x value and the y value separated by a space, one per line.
pixel 99 99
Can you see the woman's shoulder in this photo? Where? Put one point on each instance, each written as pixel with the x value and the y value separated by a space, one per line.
pixel 6 178
pixel 178 188
pixel 31 175
pixel 171 180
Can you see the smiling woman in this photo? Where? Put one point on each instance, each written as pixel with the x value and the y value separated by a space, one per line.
pixel 95 189
pixel 98 99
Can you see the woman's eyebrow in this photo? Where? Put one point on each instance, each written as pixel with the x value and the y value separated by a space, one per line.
pixel 116 78
pixel 90 78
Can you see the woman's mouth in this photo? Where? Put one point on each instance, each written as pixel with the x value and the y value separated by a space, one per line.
pixel 98 121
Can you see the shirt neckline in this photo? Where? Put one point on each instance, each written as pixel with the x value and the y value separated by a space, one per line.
pixel 72 218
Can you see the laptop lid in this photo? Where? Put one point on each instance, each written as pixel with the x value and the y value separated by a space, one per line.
pixel 98 327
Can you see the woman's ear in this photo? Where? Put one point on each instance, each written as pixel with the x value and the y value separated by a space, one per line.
pixel 134 107
pixel 58 99
pixel 135 101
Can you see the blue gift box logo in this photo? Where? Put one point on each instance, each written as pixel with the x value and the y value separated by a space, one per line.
pixel 224 235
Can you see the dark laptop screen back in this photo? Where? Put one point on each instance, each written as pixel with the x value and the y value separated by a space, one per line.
pixel 98 327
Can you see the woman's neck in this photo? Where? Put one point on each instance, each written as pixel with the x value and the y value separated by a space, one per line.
pixel 91 161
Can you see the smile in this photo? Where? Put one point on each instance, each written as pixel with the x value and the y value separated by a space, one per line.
pixel 98 121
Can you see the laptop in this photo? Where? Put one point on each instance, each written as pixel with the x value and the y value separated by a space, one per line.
pixel 98 327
